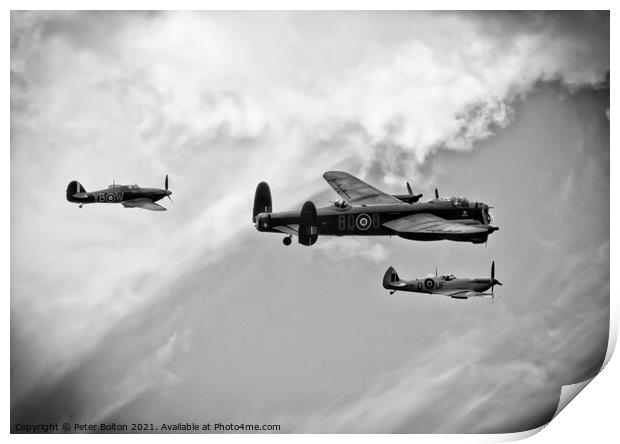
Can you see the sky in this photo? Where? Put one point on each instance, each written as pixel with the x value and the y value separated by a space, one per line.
pixel 122 315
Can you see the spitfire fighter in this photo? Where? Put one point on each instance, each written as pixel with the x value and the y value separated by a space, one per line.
pixel 367 211
pixel 130 196
pixel 445 285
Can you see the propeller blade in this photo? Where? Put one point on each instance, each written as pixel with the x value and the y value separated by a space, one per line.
pixel 494 281
pixel 170 199
pixel 166 183
pixel 409 189
pixel 436 194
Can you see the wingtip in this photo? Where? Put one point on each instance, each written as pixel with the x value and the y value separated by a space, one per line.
pixel 327 174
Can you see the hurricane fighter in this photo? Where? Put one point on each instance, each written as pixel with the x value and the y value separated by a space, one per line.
pixel 445 285
pixel 366 211
pixel 130 196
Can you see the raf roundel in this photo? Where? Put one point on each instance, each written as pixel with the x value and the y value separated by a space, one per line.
pixel 110 197
pixel 429 283
pixel 363 222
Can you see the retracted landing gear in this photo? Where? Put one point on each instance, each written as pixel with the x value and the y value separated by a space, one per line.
pixel 287 240
pixel 81 205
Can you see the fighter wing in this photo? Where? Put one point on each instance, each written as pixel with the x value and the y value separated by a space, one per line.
pixel 144 203
pixel 292 229
pixel 429 223
pixel 356 191
pixel 461 294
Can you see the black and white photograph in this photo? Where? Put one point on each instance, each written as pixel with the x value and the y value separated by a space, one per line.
pixel 307 222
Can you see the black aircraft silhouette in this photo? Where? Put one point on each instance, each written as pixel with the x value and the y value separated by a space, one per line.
pixel 367 211
pixel 445 285
pixel 131 196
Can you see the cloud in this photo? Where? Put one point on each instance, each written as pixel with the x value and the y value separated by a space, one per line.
pixel 350 248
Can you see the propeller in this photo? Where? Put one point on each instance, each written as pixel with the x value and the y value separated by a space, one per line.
pixel 436 194
pixel 409 189
pixel 435 271
pixel 494 281
pixel 166 187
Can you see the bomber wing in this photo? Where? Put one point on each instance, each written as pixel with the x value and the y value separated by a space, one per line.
pixel 431 224
pixel 144 203
pixel 356 191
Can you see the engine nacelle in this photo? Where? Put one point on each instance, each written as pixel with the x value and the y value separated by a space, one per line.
pixel 308 225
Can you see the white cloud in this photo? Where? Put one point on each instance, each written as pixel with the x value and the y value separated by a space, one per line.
pixel 350 248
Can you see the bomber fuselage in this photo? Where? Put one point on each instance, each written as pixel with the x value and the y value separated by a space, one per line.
pixel 368 220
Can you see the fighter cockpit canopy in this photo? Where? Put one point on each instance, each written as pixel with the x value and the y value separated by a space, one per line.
pixel 130 187
pixel 448 277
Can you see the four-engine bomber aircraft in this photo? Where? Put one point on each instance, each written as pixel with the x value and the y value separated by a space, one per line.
pixel 367 211
pixel 131 196
pixel 446 285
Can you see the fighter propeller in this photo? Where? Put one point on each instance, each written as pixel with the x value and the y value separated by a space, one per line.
pixel 494 281
pixel 166 187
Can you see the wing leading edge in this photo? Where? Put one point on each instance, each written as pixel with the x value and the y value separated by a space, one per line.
pixel 356 191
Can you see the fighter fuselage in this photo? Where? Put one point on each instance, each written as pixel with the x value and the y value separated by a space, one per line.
pixel 438 284
pixel 118 194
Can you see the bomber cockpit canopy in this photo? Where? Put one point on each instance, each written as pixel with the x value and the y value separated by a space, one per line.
pixel 341 204
pixel 457 201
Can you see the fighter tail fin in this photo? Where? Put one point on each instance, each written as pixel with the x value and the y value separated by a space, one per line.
pixel 74 188
pixel 390 278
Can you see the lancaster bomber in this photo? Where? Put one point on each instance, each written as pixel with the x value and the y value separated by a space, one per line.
pixel 446 285
pixel 366 211
pixel 130 196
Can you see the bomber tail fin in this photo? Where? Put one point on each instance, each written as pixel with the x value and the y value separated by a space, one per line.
pixel 262 200
pixel 390 278
pixel 74 189
pixel 308 225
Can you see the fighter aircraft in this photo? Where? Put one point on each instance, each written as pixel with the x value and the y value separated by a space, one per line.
pixel 446 285
pixel 367 211
pixel 130 196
